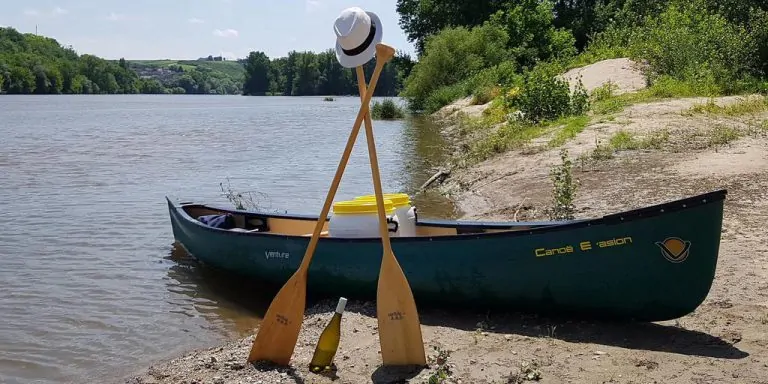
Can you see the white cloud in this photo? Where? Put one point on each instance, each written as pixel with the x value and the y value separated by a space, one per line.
pixel 56 11
pixel 312 5
pixel 195 20
pixel 115 17
pixel 229 32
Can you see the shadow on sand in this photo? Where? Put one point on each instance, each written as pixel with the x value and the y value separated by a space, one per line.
pixel 254 298
pixel 289 371
pixel 389 375
pixel 630 335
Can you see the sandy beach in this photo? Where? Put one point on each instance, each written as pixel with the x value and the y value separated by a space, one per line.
pixel 724 341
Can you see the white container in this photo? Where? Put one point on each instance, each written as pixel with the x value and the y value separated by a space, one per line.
pixel 358 218
pixel 405 213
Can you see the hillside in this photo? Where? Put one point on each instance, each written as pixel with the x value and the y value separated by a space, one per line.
pixel 41 65
pixel 233 69
pixel 193 76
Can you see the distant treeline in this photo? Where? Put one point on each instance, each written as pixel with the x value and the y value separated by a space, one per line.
pixel 36 64
pixel 309 73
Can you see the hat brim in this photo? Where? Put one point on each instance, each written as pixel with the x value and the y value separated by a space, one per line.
pixel 347 61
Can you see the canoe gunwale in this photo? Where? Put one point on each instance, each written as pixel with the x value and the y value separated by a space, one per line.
pixel 539 227
pixel 429 222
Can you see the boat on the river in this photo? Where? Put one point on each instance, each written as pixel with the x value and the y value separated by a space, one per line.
pixel 649 264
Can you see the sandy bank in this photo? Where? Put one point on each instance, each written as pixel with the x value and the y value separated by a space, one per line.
pixel 694 153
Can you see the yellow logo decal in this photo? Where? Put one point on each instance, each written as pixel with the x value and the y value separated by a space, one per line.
pixel 675 249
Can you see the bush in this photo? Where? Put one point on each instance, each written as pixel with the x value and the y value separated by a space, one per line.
pixel 532 35
pixel 758 32
pixel 451 57
pixel 689 43
pixel 563 189
pixel 545 96
pixel 386 110
pixel 707 47
pixel 486 85
pixel 444 96
pixel 612 43
pixel 484 94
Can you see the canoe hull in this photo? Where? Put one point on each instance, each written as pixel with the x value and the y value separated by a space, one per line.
pixel 651 264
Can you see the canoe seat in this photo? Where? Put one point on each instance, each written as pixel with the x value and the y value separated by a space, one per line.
pixel 256 224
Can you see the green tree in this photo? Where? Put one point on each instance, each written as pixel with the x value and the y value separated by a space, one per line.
pixel 257 74
pixel 532 34
pixel 452 56
pixel 306 75
pixel 22 80
pixel 423 18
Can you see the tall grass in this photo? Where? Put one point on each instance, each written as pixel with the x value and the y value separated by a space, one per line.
pixel 386 110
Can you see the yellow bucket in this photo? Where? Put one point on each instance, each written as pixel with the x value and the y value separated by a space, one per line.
pixel 361 206
pixel 398 199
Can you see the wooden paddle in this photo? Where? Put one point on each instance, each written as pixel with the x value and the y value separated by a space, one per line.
pixel 279 329
pixel 399 328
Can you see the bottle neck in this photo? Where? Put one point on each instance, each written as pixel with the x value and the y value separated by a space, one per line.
pixel 341 305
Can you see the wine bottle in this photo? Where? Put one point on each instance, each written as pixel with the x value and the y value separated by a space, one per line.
pixel 329 341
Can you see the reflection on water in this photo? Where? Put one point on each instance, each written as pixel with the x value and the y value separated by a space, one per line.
pixel 231 302
pixel 423 150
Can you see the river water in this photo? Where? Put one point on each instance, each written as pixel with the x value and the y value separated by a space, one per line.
pixel 91 284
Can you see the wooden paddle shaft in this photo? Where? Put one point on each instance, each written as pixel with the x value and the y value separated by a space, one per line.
pixel 279 329
pixel 380 61
pixel 399 327
pixel 383 230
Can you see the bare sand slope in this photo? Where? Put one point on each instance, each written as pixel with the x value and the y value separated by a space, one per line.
pixel 523 174
pixel 462 106
pixel 626 74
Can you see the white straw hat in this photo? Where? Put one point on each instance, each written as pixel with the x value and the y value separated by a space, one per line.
pixel 357 33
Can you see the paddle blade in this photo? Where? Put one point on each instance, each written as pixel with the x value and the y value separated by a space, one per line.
pixel 279 330
pixel 399 326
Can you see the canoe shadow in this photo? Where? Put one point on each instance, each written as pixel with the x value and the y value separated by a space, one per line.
pixel 254 297
pixel 629 335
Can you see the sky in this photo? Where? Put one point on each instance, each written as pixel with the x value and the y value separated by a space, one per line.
pixel 189 29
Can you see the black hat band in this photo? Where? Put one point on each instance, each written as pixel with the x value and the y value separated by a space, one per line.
pixel 362 47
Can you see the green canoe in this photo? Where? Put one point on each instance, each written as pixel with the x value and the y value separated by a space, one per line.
pixel 650 264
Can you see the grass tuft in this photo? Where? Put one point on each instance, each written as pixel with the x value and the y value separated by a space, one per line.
pixel 386 110
pixel 571 126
